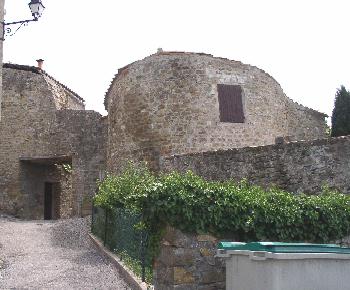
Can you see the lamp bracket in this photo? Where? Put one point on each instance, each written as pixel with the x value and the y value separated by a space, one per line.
pixel 7 30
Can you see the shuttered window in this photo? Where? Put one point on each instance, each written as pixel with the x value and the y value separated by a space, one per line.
pixel 230 103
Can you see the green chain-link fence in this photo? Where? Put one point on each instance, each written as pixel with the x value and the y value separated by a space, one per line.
pixel 120 231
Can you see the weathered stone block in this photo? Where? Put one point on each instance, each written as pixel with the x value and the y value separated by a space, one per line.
pixel 206 238
pixel 175 238
pixel 214 275
pixel 183 276
pixel 176 256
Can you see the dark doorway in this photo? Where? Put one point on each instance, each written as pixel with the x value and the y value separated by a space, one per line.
pixel 48 201
pixel 52 201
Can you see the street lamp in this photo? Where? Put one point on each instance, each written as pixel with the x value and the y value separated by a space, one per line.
pixel 36 8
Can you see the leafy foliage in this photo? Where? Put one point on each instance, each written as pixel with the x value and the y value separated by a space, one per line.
pixel 123 233
pixel 341 113
pixel 135 266
pixel 68 168
pixel 226 209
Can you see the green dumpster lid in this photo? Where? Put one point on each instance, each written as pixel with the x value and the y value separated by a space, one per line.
pixel 278 247
pixel 232 246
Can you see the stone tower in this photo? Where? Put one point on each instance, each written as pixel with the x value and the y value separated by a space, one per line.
pixel 177 103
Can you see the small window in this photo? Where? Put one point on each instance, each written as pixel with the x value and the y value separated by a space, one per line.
pixel 230 103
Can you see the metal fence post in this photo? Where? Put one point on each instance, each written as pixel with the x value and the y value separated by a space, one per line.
pixel 143 256
pixel 92 217
pixel 106 219
pixel 123 232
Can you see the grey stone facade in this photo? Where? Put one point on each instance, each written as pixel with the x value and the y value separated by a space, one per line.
pixel 302 166
pixel 163 109
pixel 168 104
pixel 163 105
pixel 2 11
pixel 188 262
pixel 44 125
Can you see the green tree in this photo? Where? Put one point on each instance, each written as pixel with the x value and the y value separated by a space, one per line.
pixel 341 113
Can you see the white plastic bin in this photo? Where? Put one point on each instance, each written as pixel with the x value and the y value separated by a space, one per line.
pixel 285 266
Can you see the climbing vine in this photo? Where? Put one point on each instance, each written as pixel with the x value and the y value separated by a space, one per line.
pixel 237 209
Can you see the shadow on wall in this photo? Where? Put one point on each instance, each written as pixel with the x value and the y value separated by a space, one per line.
pixel 47 188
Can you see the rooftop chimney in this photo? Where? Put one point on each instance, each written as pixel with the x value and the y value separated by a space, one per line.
pixel 40 63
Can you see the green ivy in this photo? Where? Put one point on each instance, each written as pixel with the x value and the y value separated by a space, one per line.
pixel 235 210
pixel 67 168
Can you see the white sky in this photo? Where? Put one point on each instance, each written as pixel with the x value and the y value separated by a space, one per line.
pixel 303 44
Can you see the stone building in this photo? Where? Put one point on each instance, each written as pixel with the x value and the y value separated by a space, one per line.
pixel 177 103
pixel 44 132
pixel 168 103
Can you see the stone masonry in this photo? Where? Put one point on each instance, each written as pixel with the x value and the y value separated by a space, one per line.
pixel 302 166
pixel 164 110
pixel 44 124
pixel 188 262
pixel 82 135
pixel 2 5
pixel 168 104
pixel 164 105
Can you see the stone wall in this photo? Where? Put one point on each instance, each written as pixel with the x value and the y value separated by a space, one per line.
pixel 2 5
pixel 302 166
pixel 38 132
pixel 82 135
pixel 187 262
pixel 303 123
pixel 27 117
pixel 64 98
pixel 168 104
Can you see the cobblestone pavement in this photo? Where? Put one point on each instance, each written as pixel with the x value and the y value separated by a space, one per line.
pixel 52 255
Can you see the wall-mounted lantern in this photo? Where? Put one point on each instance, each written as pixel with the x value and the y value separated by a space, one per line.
pixel 36 8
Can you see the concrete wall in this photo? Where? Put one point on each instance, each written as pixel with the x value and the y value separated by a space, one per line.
pixel 297 166
pixel 168 104
pixel 36 126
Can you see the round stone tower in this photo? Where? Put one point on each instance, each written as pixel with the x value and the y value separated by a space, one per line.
pixel 176 103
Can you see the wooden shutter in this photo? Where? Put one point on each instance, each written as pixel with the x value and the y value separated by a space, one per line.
pixel 230 103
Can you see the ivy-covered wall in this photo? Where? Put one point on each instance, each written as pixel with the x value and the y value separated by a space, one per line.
pixel 182 212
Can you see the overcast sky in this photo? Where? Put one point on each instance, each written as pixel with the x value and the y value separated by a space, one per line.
pixel 303 44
